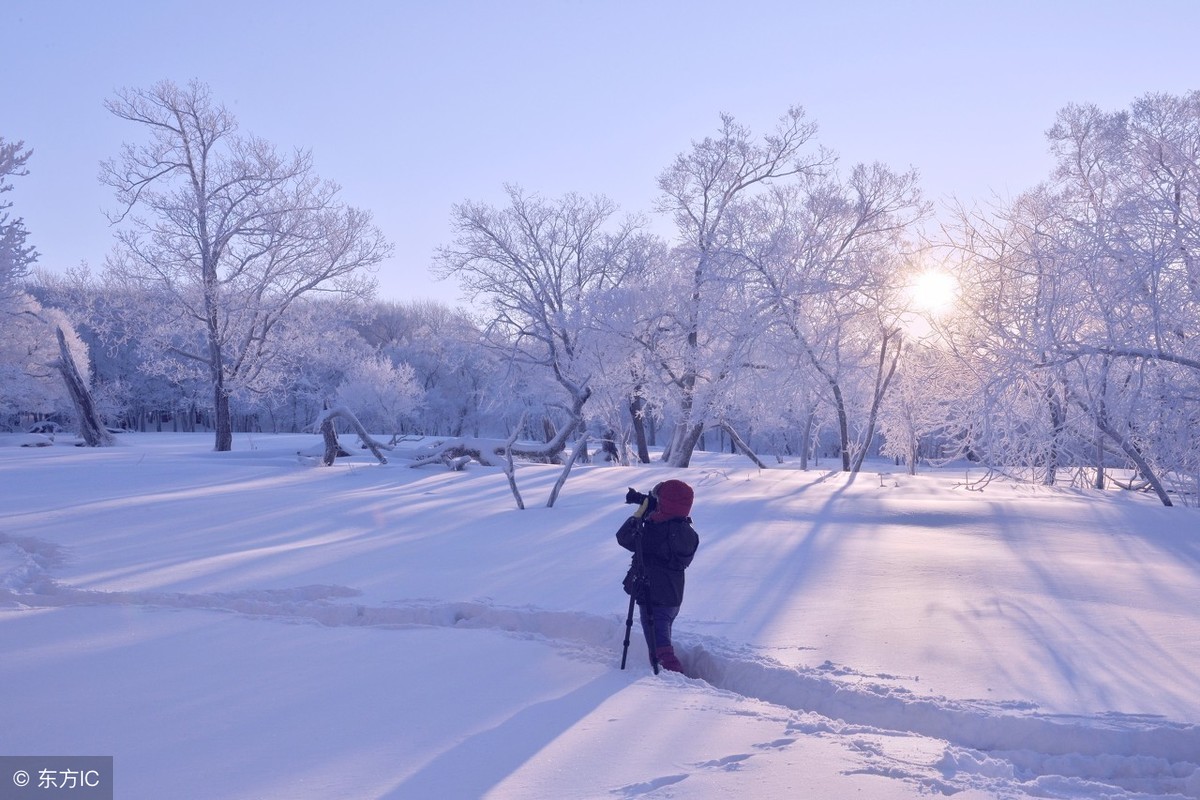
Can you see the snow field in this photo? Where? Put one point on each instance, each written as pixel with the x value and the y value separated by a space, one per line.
pixel 368 631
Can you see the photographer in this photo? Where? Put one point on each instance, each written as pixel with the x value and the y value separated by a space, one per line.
pixel 663 542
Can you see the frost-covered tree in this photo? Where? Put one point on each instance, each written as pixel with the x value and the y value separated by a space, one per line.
pixel 126 390
pixel 316 349
pixel 226 233
pixel 1129 188
pixel 16 256
pixel 444 348
pixel 34 364
pixel 1085 298
pixel 706 311
pixel 627 400
pixel 30 382
pixel 538 264
pixel 933 392
pixel 827 257
pixel 1022 293
pixel 381 393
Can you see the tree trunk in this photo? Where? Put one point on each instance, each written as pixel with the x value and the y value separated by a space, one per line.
pixel 223 421
pixel 806 441
pixel 332 448
pixel 580 446
pixel 843 425
pixel 882 381
pixel 637 408
pixel 1143 466
pixel 684 444
pixel 1099 482
pixel 1058 424
pixel 510 470
pixel 1135 455
pixel 1102 414
pixel 738 443
pixel 91 428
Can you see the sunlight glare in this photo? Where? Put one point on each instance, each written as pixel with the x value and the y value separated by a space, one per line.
pixel 933 292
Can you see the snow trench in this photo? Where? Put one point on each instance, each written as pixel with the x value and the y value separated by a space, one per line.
pixel 989 746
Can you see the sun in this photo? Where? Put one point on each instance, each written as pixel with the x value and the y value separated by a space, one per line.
pixel 933 292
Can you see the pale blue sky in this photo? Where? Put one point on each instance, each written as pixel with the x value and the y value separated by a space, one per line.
pixel 414 106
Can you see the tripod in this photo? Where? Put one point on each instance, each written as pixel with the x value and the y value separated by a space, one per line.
pixel 640 589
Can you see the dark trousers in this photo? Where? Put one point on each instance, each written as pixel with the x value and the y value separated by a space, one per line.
pixel 664 619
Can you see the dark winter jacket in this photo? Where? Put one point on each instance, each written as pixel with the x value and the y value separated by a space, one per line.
pixel 667 549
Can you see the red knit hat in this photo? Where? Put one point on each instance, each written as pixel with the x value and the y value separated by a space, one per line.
pixel 674 500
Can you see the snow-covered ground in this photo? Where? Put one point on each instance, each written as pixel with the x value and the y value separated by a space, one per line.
pixel 250 625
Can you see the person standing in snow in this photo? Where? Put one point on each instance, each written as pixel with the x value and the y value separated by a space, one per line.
pixel 668 543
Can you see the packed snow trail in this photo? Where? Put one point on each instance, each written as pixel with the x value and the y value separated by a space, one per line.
pixel 989 746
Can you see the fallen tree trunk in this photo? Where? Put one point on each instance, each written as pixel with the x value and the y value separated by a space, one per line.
pixel 495 452
pixel 332 448
pixel 741 445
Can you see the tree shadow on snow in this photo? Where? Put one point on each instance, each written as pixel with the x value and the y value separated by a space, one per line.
pixel 479 763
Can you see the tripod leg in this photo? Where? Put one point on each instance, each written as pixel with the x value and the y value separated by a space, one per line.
pixel 651 635
pixel 628 628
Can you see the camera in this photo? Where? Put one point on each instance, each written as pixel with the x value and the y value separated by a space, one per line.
pixel 634 497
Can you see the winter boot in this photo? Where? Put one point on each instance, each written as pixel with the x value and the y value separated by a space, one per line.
pixel 668 660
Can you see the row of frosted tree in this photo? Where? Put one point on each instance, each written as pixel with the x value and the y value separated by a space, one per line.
pixel 785 315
